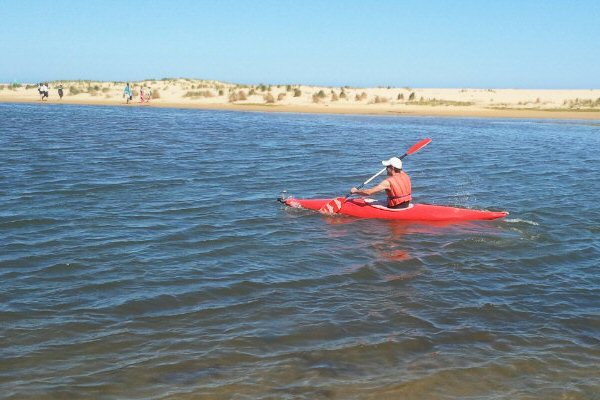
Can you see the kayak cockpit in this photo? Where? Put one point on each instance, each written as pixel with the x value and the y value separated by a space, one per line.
pixel 379 204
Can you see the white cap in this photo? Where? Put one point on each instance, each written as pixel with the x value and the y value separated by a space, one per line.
pixel 394 162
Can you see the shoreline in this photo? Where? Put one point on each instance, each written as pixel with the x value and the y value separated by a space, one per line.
pixel 183 93
pixel 414 111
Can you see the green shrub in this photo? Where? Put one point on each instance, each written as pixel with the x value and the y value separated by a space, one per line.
pixel 281 96
pixel 321 94
pixel 269 99
pixel 380 100
pixel 252 92
pixel 155 94
pixel 343 95
pixel 73 91
pixel 400 96
pixel 334 97
pixel 288 88
pixel 297 92
pixel 233 97
pixel 242 95
pixel 412 96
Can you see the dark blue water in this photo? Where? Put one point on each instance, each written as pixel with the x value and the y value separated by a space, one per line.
pixel 143 255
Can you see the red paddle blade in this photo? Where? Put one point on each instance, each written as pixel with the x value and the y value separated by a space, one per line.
pixel 333 206
pixel 418 146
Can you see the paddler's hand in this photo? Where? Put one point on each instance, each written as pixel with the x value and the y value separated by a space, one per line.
pixel 353 190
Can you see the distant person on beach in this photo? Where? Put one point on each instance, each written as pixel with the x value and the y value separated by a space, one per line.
pixel 44 90
pixel 60 91
pixel 397 186
pixel 40 90
pixel 127 93
pixel 148 95
pixel 141 94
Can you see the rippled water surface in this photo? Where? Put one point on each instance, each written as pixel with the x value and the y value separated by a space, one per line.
pixel 143 255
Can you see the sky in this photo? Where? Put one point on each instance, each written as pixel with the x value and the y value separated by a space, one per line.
pixel 416 43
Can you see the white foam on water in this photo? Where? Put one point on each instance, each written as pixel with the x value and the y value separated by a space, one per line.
pixel 517 220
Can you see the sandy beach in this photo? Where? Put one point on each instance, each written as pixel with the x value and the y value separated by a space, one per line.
pixel 206 94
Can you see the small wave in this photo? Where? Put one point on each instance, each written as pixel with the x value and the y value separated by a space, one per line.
pixel 26 222
pixel 518 220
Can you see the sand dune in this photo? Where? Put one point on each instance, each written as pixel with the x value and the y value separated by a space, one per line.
pixel 193 93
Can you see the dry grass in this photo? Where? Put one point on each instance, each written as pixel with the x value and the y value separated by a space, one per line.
pixel 380 99
pixel 360 97
pixel 199 93
pixel 440 102
pixel 582 103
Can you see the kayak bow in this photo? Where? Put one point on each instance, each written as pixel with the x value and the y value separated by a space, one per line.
pixel 369 208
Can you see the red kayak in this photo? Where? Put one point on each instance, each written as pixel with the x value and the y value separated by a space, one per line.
pixel 368 208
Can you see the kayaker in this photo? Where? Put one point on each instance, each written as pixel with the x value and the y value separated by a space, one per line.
pixel 397 186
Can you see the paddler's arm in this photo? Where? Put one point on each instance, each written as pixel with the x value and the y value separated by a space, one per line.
pixel 376 189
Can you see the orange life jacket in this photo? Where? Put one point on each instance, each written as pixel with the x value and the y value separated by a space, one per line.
pixel 400 189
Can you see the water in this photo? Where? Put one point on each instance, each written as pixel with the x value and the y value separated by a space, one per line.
pixel 143 255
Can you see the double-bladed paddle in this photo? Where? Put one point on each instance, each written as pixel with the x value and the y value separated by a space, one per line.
pixel 334 206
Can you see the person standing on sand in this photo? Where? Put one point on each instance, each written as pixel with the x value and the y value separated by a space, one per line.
pixel 148 95
pixel 44 91
pixel 397 186
pixel 127 92
pixel 40 90
pixel 141 94
pixel 60 91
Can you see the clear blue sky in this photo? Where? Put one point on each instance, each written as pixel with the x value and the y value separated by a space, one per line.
pixel 462 43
